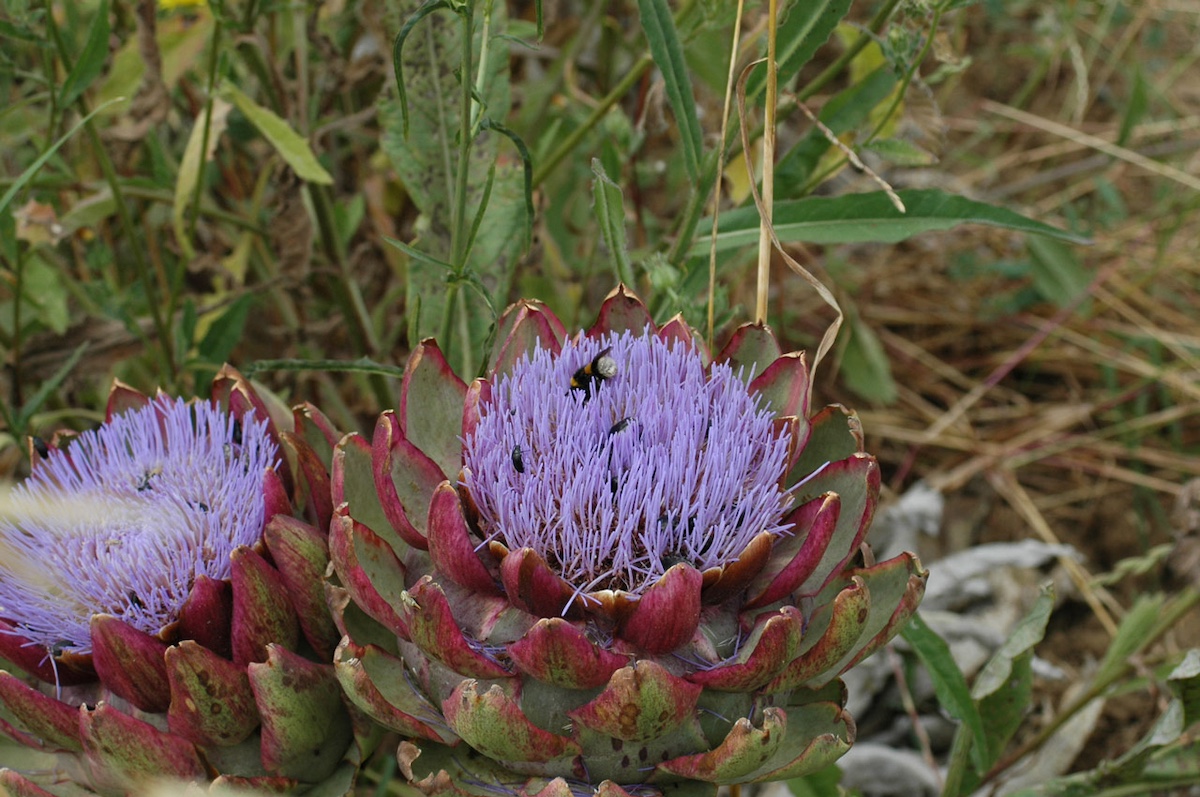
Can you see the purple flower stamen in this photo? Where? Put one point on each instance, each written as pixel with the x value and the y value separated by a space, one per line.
pixel 659 460
pixel 125 518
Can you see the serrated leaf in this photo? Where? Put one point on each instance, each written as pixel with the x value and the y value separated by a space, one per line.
pixel 859 218
pixel 425 158
pixel 948 683
pixel 91 60
pixel 290 145
pixel 610 214
pixel 667 52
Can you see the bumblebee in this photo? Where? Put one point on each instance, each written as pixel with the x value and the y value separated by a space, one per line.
pixel 589 377
pixel 144 483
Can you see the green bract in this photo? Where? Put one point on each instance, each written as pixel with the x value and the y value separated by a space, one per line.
pixel 508 677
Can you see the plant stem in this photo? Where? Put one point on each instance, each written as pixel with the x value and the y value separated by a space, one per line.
pixel 123 214
pixel 695 207
pixel 900 90
pixel 768 167
pixel 462 176
pixel 716 192
pixel 194 210
pixel 485 36
pixel 569 143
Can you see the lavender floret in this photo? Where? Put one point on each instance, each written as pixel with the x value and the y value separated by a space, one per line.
pixel 662 461
pixel 125 518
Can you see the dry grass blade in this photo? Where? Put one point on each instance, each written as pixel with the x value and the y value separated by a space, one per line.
pixel 1007 485
pixel 831 331
pixel 1121 153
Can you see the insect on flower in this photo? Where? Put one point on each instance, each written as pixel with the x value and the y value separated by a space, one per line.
pixel 589 377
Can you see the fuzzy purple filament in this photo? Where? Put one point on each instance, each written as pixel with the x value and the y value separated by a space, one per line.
pixel 125 518
pixel 666 461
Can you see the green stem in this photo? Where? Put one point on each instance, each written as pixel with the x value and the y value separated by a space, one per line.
pixel 123 214
pixel 481 70
pixel 695 206
pixel 569 143
pixel 842 61
pixel 18 295
pixel 899 92
pixel 462 176
pixel 194 209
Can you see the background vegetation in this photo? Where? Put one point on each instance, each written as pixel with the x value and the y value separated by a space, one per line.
pixel 307 190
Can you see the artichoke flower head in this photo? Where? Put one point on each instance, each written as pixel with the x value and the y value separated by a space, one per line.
pixel 161 577
pixel 613 566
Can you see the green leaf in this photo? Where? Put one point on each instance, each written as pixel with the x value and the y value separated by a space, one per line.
pixel 864 364
pixel 610 213
pixel 290 145
pixel 90 62
pixel 89 211
pixel 1135 108
pixel 1184 680
pixel 526 170
pixel 1057 273
pixel 1136 630
pixel 1005 684
pixel 46 290
pixel 226 331
pixel 421 138
pixel 192 165
pixel 846 111
pixel 948 683
pixel 33 168
pixel 859 218
pixel 425 10
pixel 823 783
pixel 185 330
pixel 1028 633
pixel 667 52
pixel 901 152
pixel 52 384
pixel 807 26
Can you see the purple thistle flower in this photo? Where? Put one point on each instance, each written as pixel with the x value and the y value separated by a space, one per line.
pixel 126 517
pixel 623 455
